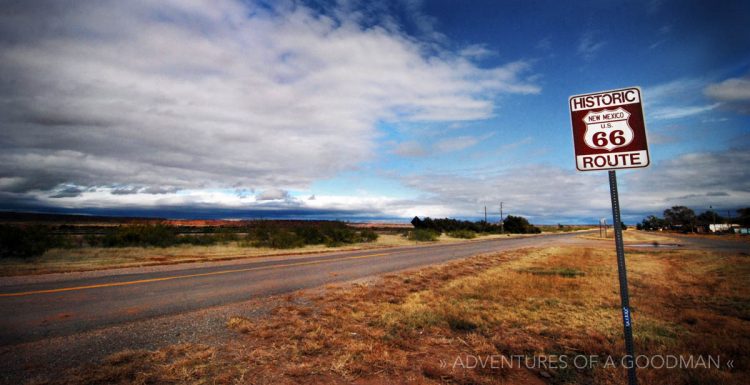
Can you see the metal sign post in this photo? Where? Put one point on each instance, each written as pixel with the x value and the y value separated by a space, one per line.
pixel 623 276
pixel 609 133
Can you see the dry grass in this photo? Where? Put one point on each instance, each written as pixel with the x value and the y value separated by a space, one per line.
pixel 719 236
pixel 538 301
pixel 178 364
pixel 633 236
pixel 565 228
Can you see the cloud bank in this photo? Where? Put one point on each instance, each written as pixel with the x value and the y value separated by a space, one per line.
pixel 152 97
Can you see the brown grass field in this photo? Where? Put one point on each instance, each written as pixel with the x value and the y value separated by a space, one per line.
pixel 403 328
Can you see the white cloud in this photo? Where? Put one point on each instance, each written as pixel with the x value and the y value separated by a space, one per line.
pixel 215 94
pixel 588 46
pixel 735 89
pixel 455 144
pixel 410 149
pixel 681 112
pixel 476 51
pixel 272 194
pixel 733 92
pixel 673 91
pixel 676 99
pixel 413 148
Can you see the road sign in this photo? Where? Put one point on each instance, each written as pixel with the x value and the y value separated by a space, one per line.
pixel 609 131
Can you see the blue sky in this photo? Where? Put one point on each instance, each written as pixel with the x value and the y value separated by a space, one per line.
pixel 365 110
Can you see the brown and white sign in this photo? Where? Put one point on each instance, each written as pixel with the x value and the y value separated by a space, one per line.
pixel 609 130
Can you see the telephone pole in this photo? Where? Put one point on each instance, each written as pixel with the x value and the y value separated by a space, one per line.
pixel 502 221
pixel 485 213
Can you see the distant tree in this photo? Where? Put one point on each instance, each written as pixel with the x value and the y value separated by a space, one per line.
pixel 519 225
pixel 651 223
pixel 428 223
pixel 709 217
pixel 744 217
pixel 448 225
pixel 680 216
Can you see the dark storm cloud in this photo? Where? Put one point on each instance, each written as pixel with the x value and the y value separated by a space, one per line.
pixel 158 190
pixel 68 192
pixel 125 190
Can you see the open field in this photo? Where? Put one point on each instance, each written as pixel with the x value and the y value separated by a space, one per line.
pixel 732 237
pixel 60 260
pixel 564 228
pixel 425 326
pixel 643 237
pixel 634 236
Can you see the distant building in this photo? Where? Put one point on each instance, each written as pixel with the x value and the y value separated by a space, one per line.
pixel 726 228
pixel 720 227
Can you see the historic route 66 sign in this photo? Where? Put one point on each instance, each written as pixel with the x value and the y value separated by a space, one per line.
pixel 609 131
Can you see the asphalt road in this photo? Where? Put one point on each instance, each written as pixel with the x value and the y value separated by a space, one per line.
pixel 42 310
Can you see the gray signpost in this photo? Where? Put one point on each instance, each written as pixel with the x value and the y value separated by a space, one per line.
pixel 609 133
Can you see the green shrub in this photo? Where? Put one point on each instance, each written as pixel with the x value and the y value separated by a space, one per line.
pixel 274 236
pixel 423 235
pixel 140 235
pixel 337 236
pixel 465 234
pixel 225 235
pixel 285 235
pixel 368 235
pixel 198 240
pixel 27 241
pixel 311 235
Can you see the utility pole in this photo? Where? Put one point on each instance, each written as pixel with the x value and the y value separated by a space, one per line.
pixel 485 213
pixel 502 221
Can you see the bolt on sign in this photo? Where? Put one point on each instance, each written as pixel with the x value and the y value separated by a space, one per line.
pixel 609 131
